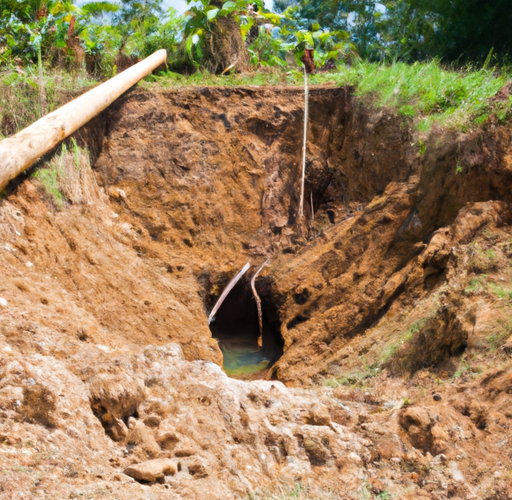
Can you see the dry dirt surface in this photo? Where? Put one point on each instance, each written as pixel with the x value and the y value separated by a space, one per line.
pixel 387 310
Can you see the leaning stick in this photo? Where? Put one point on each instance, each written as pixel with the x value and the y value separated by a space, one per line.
pixel 226 291
pixel 256 296
pixel 312 211
pixel 301 206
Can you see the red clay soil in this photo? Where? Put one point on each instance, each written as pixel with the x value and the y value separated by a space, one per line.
pixel 393 306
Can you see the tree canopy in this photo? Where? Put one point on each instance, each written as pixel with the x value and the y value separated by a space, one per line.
pixel 95 33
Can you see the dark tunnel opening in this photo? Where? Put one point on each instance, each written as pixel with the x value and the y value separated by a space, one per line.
pixel 236 327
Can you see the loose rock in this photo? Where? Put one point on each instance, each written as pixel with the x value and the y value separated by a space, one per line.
pixel 152 470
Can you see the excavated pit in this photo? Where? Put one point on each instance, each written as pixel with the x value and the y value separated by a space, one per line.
pixel 199 181
pixel 208 178
pixel 393 308
pixel 212 175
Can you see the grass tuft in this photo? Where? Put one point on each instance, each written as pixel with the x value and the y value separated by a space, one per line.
pixel 68 177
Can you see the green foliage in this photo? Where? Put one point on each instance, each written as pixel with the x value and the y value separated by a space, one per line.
pixel 206 15
pixel 62 33
pixel 413 30
pixel 453 29
pixel 500 291
pixel 98 10
pixel 476 285
pixel 358 19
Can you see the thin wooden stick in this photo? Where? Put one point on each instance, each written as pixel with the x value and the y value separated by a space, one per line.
pixel 306 99
pixel 257 298
pixel 226 291
pixel 312 211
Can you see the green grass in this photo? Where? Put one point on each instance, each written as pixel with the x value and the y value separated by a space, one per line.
pixel 49 178
pixel 464 369
pixel 427 90
pixel 500 291
pixel 53 176
pixel 458 167
pixel 19 95
pixel 276 76
pixel 496 339
pixel 476 285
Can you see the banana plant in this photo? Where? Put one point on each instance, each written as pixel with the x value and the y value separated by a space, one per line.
pixel 202 17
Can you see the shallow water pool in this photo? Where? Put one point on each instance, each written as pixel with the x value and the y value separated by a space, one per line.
pixel 242 358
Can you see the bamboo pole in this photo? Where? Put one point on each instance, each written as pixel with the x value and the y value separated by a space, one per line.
pixel 19 152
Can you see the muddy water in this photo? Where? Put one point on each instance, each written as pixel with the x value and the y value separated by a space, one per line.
pixel 242 357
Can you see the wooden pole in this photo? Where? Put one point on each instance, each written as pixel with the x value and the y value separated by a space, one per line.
pixel 19 152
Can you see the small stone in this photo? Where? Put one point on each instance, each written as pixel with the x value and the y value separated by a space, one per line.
pixel 3 302
pixel 152 470
pixel 198 468
pixel 455 472
pixel 117 193
pixel 377 486
pixel 29 264
pixel 355 458
pixel 118 430
pixel 437 397
pixel 152 421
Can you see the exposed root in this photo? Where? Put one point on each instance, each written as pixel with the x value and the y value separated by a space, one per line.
pixel 257 298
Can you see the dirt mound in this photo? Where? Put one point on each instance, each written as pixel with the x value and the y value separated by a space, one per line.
pixel 392 306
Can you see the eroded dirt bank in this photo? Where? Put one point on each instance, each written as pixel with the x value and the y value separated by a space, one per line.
pixel 392 310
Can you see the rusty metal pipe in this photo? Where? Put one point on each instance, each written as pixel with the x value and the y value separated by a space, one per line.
pixel 19 152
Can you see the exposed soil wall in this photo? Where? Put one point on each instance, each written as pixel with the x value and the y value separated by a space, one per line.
pixel 397 297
